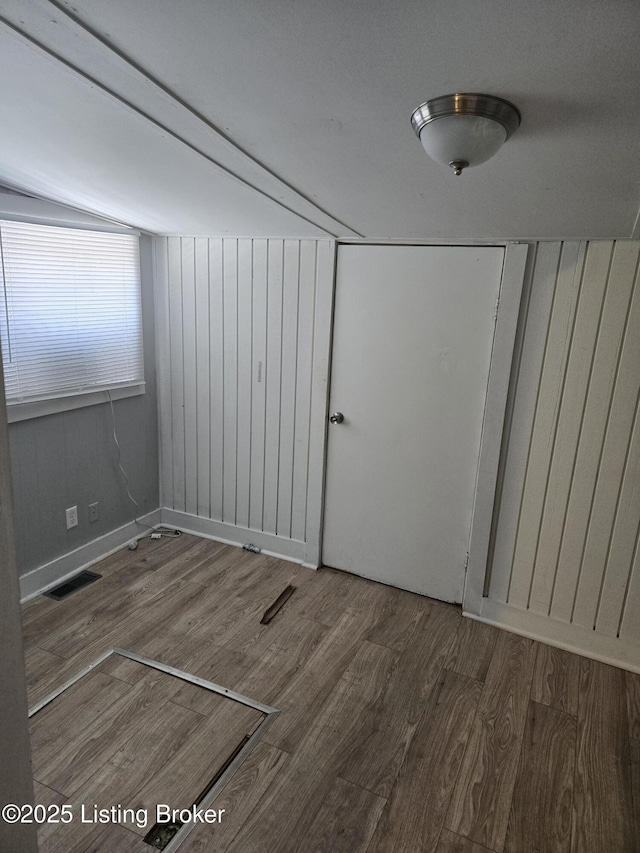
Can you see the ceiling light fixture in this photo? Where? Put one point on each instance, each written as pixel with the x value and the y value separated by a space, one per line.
pixel 464 130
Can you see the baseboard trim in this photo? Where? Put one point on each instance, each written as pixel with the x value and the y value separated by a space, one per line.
pixel 572 638
pixel 274 546
pixel 56 571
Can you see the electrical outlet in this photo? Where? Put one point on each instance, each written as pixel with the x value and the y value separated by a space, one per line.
pixel 94 512
pixel 72 517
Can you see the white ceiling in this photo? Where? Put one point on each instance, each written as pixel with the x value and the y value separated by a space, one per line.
pixel 277 118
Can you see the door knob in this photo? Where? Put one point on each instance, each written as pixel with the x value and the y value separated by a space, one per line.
pixel 336 418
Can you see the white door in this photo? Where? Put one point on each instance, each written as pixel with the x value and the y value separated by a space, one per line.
pixel 413 333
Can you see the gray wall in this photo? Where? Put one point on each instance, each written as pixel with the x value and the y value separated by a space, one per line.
pixel 16 785
pixel 69 459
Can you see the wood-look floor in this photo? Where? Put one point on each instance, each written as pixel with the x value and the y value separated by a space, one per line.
pixel 403 726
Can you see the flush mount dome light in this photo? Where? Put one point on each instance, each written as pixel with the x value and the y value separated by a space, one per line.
pixel 464 129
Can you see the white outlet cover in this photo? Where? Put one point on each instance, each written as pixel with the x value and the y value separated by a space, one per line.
pixel 72 517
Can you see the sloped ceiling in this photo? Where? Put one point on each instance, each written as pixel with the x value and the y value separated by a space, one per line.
pixel 254 118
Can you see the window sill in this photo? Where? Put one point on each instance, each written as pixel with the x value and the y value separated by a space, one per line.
pixel 39 408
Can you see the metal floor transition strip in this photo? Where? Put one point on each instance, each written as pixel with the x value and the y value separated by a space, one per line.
pixel 173 834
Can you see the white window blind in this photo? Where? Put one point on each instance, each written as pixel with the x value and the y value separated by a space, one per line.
pixel 70 318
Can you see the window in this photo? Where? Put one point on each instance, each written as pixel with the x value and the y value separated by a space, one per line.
pixel 70 318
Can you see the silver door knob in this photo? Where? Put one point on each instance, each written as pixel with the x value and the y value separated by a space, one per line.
pixel 336 418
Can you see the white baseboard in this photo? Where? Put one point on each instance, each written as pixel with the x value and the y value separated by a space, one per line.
pixel 573 638
pixel 275 546
pixel 56 571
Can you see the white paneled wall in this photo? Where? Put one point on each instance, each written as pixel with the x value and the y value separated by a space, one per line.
pixel 565 557
pixel 244 330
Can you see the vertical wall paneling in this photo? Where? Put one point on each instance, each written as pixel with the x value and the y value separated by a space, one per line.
pixel 190 382
pixel 216 376
pixel 163 361
pixel 596 417
pixel 623 543
pixel 230 382
pixel 565 561
pixel 245 386
pixel 258 383
pixel 203 375
pixel 290 294
pixel 630 617
pixel 174 248
pixel 245 389
pixel 614 458
pixel 306 304
pixel 273 384
pixel 537 301
pixel 569 423
pixel 548 403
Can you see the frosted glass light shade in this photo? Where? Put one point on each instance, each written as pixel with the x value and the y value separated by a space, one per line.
pixel 464 129
pixel 471 139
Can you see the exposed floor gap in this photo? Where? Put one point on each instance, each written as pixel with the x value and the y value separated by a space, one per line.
pixel 161 834
pixel 277 605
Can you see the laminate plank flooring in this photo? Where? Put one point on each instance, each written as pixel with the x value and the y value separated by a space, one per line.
pixel 471 654
pixel 85 701
pixel 402 726
pixel 399 619
pixel 480 804
pixel 190 771
pixel 106 840
pixel 450 842
pixel 430 769
pixel 93 742
pixel 240 798
pixel 542 800
pixel 632 681
pixel 287 811
pixel 45 796
pixel 602 799
pixel 118 780
pixel 312 684
pixel 345 821
pixel 635 784
pixel 556 679
pixel 374 758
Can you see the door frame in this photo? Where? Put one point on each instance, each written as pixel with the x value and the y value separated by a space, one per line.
pixel 504 336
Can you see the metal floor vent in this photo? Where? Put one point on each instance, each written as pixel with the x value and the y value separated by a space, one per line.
pixel 72 585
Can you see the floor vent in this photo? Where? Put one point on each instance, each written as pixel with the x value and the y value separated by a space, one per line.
pixel 72 585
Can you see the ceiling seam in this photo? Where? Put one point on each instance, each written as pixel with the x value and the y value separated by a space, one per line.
pixel 95 82
pixel 201 118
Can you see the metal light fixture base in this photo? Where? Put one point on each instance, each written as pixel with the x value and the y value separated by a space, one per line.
pixel 468 104
pixel 458 166
pixel 486 122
